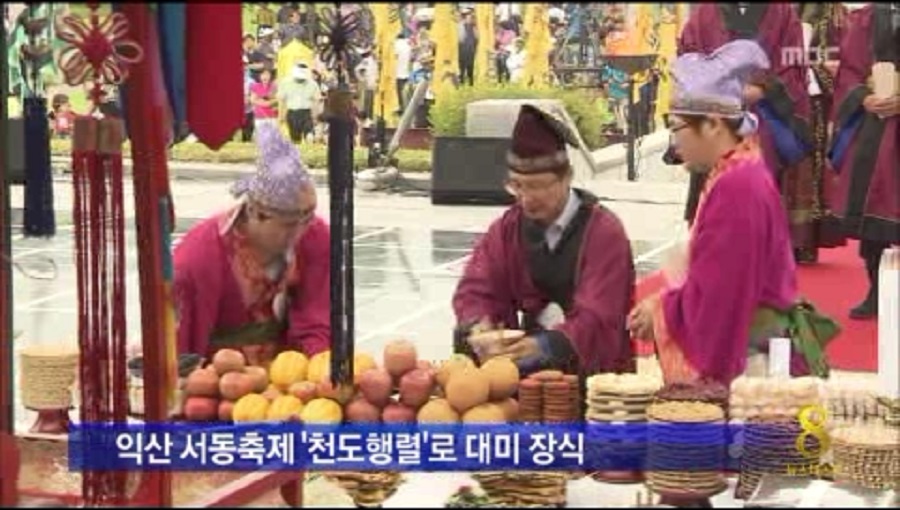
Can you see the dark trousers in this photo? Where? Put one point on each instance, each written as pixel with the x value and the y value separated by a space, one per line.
pixel 502 70
pixel 467 69
pixel 247 128
pixel 401 94
pixel 871 252
pixel 300 124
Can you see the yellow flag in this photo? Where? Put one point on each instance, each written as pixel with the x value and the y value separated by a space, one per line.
pixel 484 18
pixel 387 26
pixel 445 33
pixel 683 12
pixel 668 41
pixel 536 70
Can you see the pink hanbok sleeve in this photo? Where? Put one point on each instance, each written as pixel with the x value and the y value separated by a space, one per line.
pixel 709 315
pixel 197 287
pixel 484 289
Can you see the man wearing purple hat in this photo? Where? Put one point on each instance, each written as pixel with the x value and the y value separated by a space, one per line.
pixel 779 96
pixel 255 278
pixel 557 264
pixel 738 287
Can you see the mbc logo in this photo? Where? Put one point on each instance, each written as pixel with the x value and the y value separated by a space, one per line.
pixel 794 56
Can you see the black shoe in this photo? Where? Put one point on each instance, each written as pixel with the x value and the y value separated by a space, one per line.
pixel 806 255
pixel 866 310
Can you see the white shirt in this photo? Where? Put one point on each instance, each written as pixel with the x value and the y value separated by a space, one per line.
pixel 813 82
pixel 370 66
pixel 515 62
pixel 554 232
pixel 403 52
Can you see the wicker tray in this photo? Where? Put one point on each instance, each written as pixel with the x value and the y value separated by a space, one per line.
pixel 868 457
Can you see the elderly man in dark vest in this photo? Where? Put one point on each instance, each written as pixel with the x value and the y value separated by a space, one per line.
pixel 557 265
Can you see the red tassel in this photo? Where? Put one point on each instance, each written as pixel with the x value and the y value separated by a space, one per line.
pixel 100 258
pixel 215 86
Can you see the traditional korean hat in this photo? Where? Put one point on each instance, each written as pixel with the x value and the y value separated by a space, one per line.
pixel 280 176
pixel 539 142
pixel 713 84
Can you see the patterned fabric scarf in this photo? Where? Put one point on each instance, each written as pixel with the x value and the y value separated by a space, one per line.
pixel 748 148
pixel 257 286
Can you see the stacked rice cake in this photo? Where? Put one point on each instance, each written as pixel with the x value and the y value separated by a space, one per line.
pixel 549 397
pixel 616 411
pixel 684 460
pixel 620 397
pixel 368 489
pixel 524 488
pixel 769 398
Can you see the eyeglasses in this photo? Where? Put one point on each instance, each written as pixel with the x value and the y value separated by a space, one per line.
pixel 518 188
pixel 673 127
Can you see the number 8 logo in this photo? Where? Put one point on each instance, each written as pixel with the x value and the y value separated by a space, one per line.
pixel 812 421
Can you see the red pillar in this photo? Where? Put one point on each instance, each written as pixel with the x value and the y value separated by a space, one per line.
pixel 146 113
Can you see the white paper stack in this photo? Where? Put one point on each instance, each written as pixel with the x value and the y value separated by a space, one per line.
pixel 889 324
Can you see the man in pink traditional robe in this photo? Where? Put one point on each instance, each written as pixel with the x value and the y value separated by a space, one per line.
pixel 778 95
pixel 556 252
pixel 866 152
pixel 256 277
pixel 739 288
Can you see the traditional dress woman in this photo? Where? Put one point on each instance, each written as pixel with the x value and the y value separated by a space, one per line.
pixel 256 276
pixel 866 140
pixel 738 285
pixel 823 26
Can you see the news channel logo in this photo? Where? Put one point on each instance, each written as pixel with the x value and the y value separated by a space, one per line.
pixel 798 56
pixel 813 421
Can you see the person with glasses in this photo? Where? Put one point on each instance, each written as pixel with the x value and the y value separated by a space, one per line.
pixel 557 265
pixel 255 278
pixel 738 286
pixel 779 96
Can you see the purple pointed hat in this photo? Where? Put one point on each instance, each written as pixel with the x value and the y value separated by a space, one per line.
pixel 280 173
pixel 714 84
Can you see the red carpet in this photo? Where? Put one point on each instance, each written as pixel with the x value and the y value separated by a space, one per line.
pixel 836 284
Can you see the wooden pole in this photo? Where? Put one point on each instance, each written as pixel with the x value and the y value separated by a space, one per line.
pixel 148 154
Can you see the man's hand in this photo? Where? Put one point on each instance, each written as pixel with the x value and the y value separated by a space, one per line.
pixel 882 107
pixel 640 320
pixel 524 348
pixel 753 93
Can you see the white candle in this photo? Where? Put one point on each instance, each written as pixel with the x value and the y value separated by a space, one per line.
pixel 889 324
pixel 779 357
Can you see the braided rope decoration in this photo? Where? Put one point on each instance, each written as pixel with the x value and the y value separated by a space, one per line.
pixel 97 50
